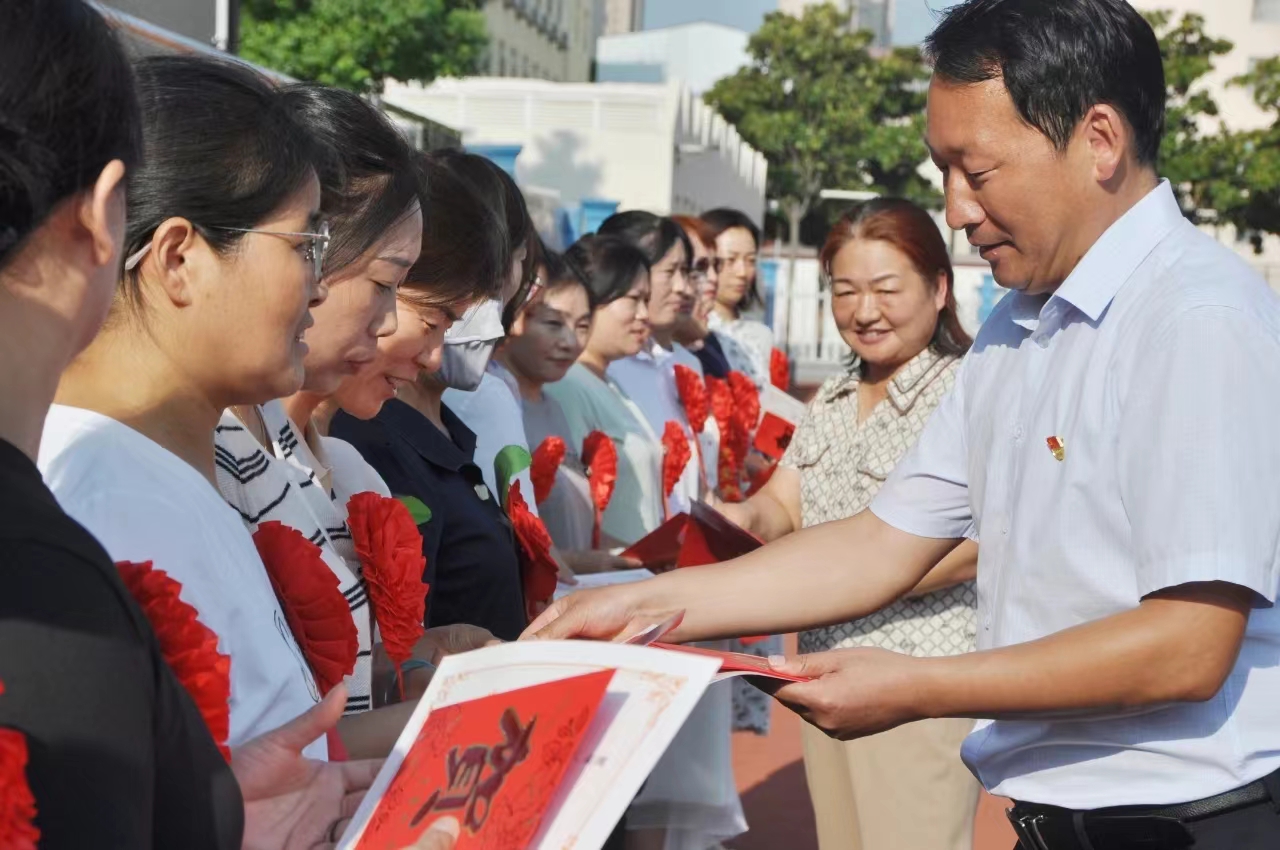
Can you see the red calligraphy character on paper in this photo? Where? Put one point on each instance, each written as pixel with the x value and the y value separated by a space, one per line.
pixel 502 759
pixel 468 787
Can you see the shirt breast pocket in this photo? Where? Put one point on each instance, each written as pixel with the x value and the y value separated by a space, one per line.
pixel 807 454
pixel 877 469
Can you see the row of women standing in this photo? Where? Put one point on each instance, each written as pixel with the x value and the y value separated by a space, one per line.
pixel 209 272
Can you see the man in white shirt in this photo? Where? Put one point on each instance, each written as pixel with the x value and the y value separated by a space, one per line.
pixel 1110 441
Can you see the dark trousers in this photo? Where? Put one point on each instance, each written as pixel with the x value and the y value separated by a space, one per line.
pixel 1255 827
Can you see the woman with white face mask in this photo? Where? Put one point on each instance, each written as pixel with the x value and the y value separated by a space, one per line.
pixel 417 444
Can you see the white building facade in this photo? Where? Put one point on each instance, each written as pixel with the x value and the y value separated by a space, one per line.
pixel 652 147
pixel 541 39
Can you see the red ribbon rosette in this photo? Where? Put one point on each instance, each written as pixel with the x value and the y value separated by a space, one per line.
pixel 675 457
pixel 389 547
pixel 693 397
pixel 600 457
pixel 538 569
pixel 547 458
pixel 189 647
pixel 17 804
pixel 729 462
pixel 313 606
pixel 746 404
pixel 779 369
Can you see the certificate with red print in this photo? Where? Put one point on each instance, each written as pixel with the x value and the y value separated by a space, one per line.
pixel 531 745
pixel 493 763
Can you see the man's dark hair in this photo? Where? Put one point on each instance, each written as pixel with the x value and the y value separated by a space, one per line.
pixel 1058 58
pixel 67 108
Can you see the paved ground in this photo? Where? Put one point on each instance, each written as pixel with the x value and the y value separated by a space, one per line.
pixel 776 798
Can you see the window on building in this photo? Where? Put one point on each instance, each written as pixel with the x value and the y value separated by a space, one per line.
pixel 1267 11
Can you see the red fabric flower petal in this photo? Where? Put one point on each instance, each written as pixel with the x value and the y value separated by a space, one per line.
pixel 693 397
pixel 729 463
pixel 746 401
pixel 547 458
pixel 389 546
pixel 17 804
pixel 600 457
pixel 538 569
pixel 189 647
pixel 675 456
pixel 779 369
pixel 313 606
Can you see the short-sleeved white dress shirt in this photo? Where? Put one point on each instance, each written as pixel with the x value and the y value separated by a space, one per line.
pixel 1155 370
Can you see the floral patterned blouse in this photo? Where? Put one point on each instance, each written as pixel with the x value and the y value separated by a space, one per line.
pixel 842 465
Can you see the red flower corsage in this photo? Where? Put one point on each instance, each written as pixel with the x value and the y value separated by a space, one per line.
pixel 600 457
pixel 675 457
pixel 17 804
pixel 189 647
pixel 728 463
pixel 746 404
pixel 313 606
pixel 389 546
pixel 547 458
pixel 538 569
pixel 779 369
pixel 693 397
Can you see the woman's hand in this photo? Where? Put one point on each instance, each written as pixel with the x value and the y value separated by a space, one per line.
pixel 585 561
pixel 292 802
pixel 440 641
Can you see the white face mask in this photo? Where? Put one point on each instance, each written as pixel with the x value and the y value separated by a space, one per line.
pixel 469 344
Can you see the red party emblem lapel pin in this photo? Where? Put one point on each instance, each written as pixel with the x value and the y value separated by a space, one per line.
pixel 1057 447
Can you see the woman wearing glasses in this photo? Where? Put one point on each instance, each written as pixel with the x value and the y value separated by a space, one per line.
pixel 224 241
pixel 273 462
pixel 737 245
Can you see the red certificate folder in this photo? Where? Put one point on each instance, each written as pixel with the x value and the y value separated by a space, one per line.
pixel 494 763
pixel 773 436
pixel 735 663
pixel 703 536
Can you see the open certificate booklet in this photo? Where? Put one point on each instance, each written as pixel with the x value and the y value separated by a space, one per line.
pixel 533 744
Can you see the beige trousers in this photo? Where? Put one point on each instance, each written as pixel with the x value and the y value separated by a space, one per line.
pixel 905 789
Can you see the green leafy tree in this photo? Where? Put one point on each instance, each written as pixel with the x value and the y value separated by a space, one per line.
pixel 827 112
pixel 358 44
pixel 1220 176
pixel 1251 201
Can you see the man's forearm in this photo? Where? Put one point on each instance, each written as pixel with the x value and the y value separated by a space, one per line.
pixel 821 575
pixel 1172 649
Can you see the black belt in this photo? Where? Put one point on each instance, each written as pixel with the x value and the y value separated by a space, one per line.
pixel 1041 827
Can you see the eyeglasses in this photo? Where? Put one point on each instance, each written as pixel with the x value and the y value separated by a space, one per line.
pixel 317 245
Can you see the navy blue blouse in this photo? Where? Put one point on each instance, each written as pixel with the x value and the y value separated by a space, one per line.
pixel 472 565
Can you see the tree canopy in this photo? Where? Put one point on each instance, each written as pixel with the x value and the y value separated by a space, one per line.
pixel 358 44
pixel 827 111
pixel 1221 175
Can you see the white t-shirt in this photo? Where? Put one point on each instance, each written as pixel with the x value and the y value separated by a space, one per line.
pixel 143 503
pixel 590 404
pixel 273 486
pixel 494 414
pixel 648 379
